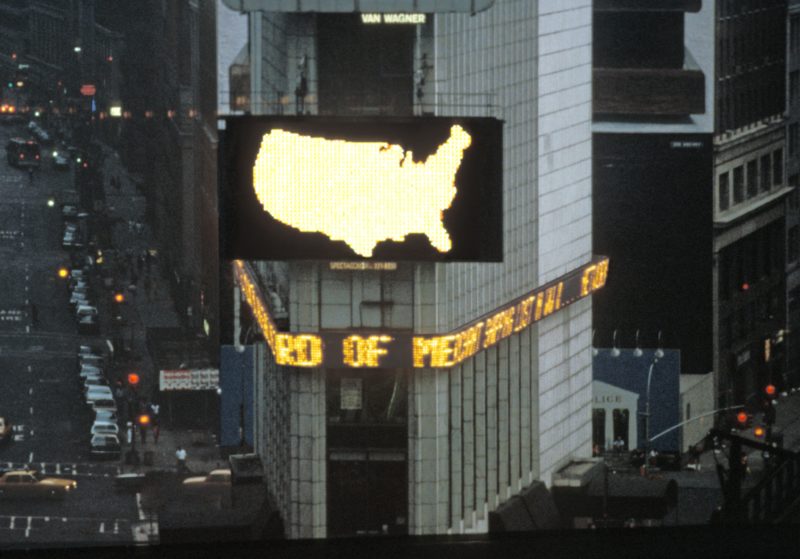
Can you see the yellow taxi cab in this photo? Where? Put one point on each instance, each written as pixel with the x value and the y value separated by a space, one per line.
pixel 29 484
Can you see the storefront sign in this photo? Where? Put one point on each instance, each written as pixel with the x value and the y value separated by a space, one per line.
pixel 403 349
pixel 407 19
pixel 188 379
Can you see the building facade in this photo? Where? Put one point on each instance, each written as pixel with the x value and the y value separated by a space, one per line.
pixel 168 133
pixel 432 449
pixel 717 290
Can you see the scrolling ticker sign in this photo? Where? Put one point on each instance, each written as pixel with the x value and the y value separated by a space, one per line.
pixel 384 189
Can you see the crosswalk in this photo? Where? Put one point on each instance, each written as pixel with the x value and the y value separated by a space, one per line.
pixel 85 525
pixel 69 469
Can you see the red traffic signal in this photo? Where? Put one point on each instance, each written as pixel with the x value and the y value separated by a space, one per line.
pixel 742 418
pixel 133 379
pixel 770 390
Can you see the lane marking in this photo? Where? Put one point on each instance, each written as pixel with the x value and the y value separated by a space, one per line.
pixel 11 526
pixel 116 526
pixel 102 527
pixel 30 391
pixel 28 528
pixel 30 457
pixel 31 410
pixel 28 329
pixel 30 368
pixel 58 467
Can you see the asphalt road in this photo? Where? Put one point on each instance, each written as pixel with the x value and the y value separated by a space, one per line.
pixel 39 390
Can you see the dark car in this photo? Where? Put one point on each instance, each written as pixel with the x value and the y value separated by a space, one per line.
pixel 88 325
pixel 105 446
pixel 60 162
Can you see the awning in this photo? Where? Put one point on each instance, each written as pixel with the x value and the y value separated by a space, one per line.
pixel 532 509
pixel 629 496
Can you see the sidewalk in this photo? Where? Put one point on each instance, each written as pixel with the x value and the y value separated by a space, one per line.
pixel 149 305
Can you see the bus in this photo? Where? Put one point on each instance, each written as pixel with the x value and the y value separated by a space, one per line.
pixel 23 153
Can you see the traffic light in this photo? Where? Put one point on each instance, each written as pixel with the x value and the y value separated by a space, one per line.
pixel 119 297
pixel 63 272
pixel 133 379
pixel 759 431
pixel 143 420
pixel 770 391
pixel 742 420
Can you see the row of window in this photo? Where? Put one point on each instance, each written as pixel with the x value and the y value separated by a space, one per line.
pixel 751 259
pixel 745 320
pixel 757 175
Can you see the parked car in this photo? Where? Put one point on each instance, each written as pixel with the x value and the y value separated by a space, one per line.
pixel 92 381
pixel 106 415
pixel 91 360
pixel 68 212
pixel 6 430
pixel 29 484
pixel 105 446
pixel 89 370
pixel 85 310
pixel 107 404
pixel 88 325
pixel 98 393
pixel 104 428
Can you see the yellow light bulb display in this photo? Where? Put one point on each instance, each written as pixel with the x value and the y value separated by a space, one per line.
pixel 361 193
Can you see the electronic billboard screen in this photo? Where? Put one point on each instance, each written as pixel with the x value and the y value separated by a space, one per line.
pixel 383 189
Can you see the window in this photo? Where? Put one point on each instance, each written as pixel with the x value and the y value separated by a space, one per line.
pixel 738 184
pixel 766 177
pixel 793 243
pixel 621 421
pixel 724 192
pixel 794 34
pixel 794 87
pixel 794 136
pixel 752 178
pixel 777 167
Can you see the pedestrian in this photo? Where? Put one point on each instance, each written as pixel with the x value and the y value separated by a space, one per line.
pixel 130 432
pixel 143 431
pixel 180 455
pixel 30 174
pixel 156 432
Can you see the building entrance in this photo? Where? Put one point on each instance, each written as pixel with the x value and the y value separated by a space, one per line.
pixel 367 452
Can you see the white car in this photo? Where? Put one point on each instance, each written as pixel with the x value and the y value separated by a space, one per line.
pixel 98 393
pixel 105 415
pixel 92 381
pixel 82 311
pixel 107 405
pixel 100 427
pixel 91 361
pixel 88 371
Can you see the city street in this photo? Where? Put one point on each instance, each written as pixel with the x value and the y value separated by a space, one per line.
pixel 40 391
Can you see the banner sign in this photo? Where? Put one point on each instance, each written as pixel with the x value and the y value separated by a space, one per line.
pixel 188 379
pixel 404 349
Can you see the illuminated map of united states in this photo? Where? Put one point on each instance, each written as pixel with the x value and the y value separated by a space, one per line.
pixel 361 193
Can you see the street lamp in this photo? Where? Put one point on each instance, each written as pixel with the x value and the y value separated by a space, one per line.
pixel 658 354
